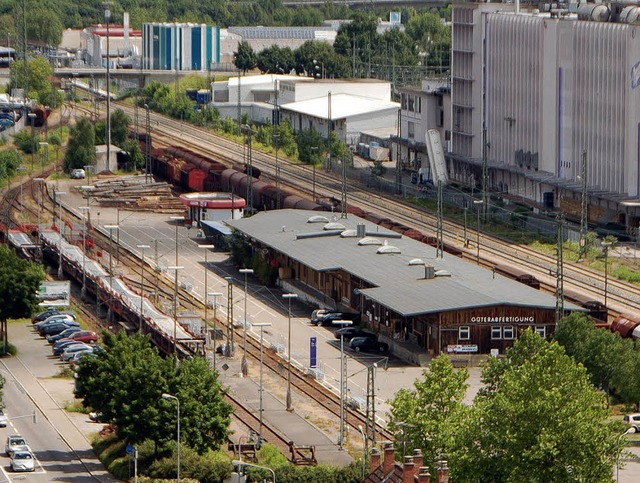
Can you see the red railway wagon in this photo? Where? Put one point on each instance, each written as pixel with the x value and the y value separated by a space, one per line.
pixel 597 310
pixel 309 205
pixel 290 202
pixel 185 169
pixel 173 169
pixel 196 179
pixel 225 179
pixel 518 275
pixel 414 234
pixel 625 325
pixel 268 197
pixel 376 219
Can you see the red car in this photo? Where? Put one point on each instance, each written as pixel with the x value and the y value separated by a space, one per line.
pixel 85 336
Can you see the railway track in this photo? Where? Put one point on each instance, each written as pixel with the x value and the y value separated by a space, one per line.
pixel 621 296
pixel 302 384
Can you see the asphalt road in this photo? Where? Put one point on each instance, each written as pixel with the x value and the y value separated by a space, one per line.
pixel 57 438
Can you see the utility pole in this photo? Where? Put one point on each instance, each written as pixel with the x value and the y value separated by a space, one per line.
pixel 329 129
pixel 584 206
pixel 485 176
pixel 370 412
pixel 559 270
pixel 439 224
pixel 398 153
pixel 343 191
pixel 229 348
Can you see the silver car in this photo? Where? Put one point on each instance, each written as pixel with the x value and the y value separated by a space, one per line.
pixel 4 420
pixel 15 442
pixel 74 349
pixel 23 460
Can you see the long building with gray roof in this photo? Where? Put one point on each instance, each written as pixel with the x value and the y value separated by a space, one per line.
pixel 401 288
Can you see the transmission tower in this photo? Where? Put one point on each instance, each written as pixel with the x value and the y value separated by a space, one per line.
pixel 584 206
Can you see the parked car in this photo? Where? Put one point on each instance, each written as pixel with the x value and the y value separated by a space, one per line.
pixel 366 344
pixel 77 173
pixel 15 442
pixel 54 319
pixel 44 315
pixel 331 317
pixel 86 336
pixel 632 420
pixel 78 356
pixel 54 329
pixel 63 335
pixel 350 332
pixel 73 349
pixel 23 460
pixel 60 346
pixel 320 312
pixel 4 420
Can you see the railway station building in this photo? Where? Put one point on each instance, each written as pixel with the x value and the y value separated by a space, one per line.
pixel 422 305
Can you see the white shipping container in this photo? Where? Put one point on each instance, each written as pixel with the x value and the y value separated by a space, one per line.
pixel 378 153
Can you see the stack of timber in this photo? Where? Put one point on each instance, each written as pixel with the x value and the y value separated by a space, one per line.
pixel 131 192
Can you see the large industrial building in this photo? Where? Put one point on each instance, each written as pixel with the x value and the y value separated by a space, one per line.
pixel 541 96
pixel 171 46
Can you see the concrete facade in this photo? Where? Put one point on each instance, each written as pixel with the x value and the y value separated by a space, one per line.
pixel 535 94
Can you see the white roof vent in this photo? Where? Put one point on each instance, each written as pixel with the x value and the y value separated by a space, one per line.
pixel 385 249
pixel 334 226
pixel 349 234
pixel 442 273
pixel 369 240
pixel 318 219
pixel 416 261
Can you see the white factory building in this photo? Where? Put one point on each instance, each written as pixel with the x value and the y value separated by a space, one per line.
pixel 540 95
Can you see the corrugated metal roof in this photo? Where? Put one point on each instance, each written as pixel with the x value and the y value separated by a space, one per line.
pixel 398 285
pixel 342 106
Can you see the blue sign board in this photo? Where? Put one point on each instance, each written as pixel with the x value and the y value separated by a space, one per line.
pixel 313 347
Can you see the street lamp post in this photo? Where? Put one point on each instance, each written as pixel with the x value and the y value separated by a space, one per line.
pixel 342 323
pixel 147 143
pixel 143 248
pixel 245 362
pixel 478 204
pixel 175 307
pixel 21 170
pixel 289 296
pixel 314 150
pixel 262 325
pixel 628 431
pixel 60 231
pixel 364 452
pixel 83 292
pixel 206 249
pixel 170 397
pixel 215 296
pixel 110 228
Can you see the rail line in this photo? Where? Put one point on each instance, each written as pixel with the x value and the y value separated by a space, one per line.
pixel 621 296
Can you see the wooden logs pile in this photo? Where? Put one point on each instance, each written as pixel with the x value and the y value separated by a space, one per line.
pixel 131 192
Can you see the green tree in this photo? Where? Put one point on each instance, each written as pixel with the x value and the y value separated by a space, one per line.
pixel 205 415
pixel 120 123
pixel 311 144
pixel 425 417
pixel 36 77
pixel 44 24
pixel 19 281
pixel 538 419
pixel 276 60
pixel 136 154
pixel 245 58
pixel 125 383
pixel 81 149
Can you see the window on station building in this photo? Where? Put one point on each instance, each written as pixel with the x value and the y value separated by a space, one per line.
pixel 496 332
pixel 508 332
pixel 541 330
pixel 411 130
pixel 464 332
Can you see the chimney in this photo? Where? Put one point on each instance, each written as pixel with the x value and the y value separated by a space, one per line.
pixel 418 459
pixel 360 230
pixel 423 475
pixel 408 470
pixel 389 459
pixel 429 272
pixel 375 459
pixel 443 472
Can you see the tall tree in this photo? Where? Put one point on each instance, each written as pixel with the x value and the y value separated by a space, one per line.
pixel 245 58
pixel 120 123
pixel 538 419
pixel 425 417
pixel 205 415
pixel 81 149
pixel 19 282
pixel 276 60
